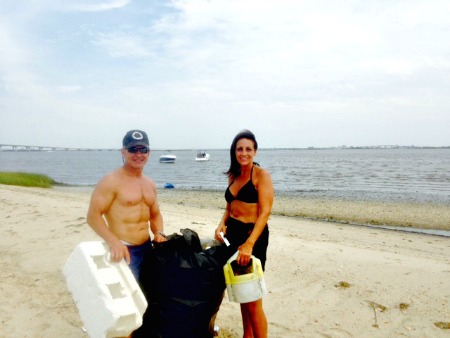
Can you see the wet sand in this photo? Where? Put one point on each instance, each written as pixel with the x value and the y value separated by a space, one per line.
pixel 400 214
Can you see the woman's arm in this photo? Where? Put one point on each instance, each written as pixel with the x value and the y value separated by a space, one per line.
pixel 222 225
pixel 265 197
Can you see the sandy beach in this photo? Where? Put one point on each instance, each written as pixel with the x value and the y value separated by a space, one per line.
pixel 325 279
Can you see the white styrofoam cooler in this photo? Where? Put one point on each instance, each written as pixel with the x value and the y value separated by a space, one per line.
pixel 108 298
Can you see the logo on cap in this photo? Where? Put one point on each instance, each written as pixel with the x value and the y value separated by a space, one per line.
pixel 137 135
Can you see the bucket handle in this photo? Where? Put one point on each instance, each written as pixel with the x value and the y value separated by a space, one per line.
pixel 234 257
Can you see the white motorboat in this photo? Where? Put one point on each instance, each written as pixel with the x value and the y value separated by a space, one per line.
pixel 167 158
pixel 202 156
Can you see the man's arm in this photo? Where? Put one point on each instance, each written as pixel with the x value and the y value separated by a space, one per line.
pixel 101 200
pixel 156 219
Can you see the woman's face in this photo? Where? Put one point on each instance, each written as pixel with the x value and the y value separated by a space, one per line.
pixel 245 151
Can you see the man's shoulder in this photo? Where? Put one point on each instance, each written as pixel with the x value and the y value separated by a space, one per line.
pixel 110 178
pixel 149 181
pixel 113 175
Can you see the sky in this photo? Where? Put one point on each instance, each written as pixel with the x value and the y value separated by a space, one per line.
pixel 193 73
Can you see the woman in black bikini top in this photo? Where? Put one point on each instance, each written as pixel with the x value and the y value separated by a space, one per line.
pixel 247 193
pixel 244 221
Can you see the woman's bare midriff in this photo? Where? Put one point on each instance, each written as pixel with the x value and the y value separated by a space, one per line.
pixel 244 212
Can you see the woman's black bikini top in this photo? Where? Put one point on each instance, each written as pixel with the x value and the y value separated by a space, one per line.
pixel 247 193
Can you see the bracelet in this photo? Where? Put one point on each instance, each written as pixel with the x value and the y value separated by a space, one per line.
pixel 160 232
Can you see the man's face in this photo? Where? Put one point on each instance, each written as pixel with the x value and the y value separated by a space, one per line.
pixel 136 156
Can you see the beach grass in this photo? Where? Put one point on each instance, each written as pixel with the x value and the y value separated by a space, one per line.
pixel 26 179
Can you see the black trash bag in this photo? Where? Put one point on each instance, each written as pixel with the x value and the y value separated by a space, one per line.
pixel 192 239
pixel 184 287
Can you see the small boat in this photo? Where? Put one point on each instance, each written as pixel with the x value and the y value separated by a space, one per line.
pixel 169 186
pixel 202 156
pixel 167 158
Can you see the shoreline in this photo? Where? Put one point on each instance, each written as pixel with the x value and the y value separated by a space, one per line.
pixel 392 215
pixel 409 215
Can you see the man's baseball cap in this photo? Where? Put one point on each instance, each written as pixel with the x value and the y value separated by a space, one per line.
pixel 135 138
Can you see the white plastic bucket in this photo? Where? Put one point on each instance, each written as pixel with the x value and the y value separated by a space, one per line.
pixel 108 298
pixel 244 284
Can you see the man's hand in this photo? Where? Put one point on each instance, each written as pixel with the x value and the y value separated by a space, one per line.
pixel 119 251
pixel 159 237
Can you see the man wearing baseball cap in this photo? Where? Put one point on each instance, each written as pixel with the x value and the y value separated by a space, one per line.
pixel 124 206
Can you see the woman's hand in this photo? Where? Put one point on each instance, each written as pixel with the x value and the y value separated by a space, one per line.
pixel 245 253
pixel 220 229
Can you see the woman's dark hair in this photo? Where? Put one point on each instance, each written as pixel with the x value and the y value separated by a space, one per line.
pixel 235 168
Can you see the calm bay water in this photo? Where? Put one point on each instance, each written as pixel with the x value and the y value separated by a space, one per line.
pixel 421 175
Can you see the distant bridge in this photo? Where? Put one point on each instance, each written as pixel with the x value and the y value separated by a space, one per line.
pixel 19 147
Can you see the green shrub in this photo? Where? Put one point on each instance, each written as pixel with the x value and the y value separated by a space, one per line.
pixel 26 179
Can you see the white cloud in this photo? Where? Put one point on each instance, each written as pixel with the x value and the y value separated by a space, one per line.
pixel 69 89
pixel 299 71
pixel 91 6
pixel 122 45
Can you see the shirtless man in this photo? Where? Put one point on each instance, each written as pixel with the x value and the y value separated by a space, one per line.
pixel 124 205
